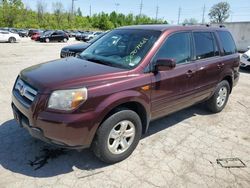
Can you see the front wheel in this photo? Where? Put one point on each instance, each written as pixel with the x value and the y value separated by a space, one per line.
pixel 220 97
pixel 65 40
pixel 118 136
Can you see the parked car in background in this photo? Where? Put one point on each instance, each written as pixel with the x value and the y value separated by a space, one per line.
pixel 90 36
pixel 12 30
pixel 6 36
pixel 78 35
pixel 106 97
pixel 86 36
pixel 36 36
pixel 23 32
pixel 54 36
pixel 75 49
pixel 245 59
pixel 33 31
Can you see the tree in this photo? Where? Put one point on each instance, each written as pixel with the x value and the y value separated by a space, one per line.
pixel 79 12
pixel 10 11
pixel 58 13
pixel 219 13
pixel 41 8
pixel 191 21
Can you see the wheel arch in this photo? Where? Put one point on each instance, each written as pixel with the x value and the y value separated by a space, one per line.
pixel 229 79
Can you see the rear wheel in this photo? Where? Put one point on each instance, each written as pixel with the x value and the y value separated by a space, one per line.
pixel 219 100
pixel 12 39
pixel 118 136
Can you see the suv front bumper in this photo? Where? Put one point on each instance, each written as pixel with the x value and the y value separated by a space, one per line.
pixel 74 131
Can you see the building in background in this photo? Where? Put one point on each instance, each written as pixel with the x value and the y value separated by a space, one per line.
pixel 240 32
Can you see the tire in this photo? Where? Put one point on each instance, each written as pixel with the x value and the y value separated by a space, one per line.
pixel 220 97
pixel 65 40
pixel 111 150
pixel 47 40
pixel 12 40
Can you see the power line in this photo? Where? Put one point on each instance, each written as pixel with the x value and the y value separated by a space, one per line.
pixel 72 7
pixel 157 12
pixel 179 15
pixel 90 11
pixel 141 6
pixel 203 14
pixel 117 5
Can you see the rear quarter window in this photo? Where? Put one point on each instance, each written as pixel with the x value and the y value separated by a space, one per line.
pixel 227 42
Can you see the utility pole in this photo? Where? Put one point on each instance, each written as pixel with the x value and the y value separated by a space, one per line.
pixel 72 7
pixel 157 12
pixel 179 15
pixel 231 15
pixel 203 14
pixel 90 11
pixel 141 5
pixel 117 5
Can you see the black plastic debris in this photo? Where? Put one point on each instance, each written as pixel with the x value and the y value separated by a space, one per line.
pixel 231 163
pixel 47 154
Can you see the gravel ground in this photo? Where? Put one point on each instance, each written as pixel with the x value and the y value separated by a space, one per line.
pixel 179 150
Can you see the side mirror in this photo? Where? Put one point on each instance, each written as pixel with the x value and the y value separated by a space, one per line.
pixel 164 64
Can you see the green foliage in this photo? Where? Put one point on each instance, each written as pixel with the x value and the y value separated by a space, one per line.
pixel 219 13
pixel 14 14
pixel 191 21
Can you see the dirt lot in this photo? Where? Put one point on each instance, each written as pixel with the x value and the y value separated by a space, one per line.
pixel 179 150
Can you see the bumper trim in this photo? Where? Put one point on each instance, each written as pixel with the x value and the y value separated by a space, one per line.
pixel 38 134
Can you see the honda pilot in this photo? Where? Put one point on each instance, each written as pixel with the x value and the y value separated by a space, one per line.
pixel 106 97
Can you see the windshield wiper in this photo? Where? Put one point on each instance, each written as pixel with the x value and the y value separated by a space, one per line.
pixel 98 61
pixel 103 62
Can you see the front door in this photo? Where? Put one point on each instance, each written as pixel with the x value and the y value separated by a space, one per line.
pixel 172 89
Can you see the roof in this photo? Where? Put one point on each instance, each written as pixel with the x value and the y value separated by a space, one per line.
pixel 164 27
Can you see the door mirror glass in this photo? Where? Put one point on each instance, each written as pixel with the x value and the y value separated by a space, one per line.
pixel 164 64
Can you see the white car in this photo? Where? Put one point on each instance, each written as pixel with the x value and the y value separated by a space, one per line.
pixel 6 36
pixel 245 59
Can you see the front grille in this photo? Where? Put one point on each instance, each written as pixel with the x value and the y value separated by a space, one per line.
pixel 67 54
pixel 24 93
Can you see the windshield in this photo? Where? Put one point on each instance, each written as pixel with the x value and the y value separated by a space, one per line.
pixel 121 48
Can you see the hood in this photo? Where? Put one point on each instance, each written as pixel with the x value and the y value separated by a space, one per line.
pixel 76 47
pixel 248 53
pixel 67 73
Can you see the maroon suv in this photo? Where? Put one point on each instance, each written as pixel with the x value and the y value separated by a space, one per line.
pixel 106 97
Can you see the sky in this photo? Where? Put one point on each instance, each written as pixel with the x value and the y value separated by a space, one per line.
pixel 168 9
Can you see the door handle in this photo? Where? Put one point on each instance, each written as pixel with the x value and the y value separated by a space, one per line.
pixel 189 73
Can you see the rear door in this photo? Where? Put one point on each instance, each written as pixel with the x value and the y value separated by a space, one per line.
pixel 209 62
pixel 172 89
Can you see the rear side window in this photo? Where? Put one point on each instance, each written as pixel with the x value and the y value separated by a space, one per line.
pixel 227 42
pixel 176 47
pixel 205 45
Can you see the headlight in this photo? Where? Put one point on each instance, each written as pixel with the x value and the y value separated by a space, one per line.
pixel 67 99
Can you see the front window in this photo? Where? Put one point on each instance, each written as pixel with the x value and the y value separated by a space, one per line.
pixel 121 48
